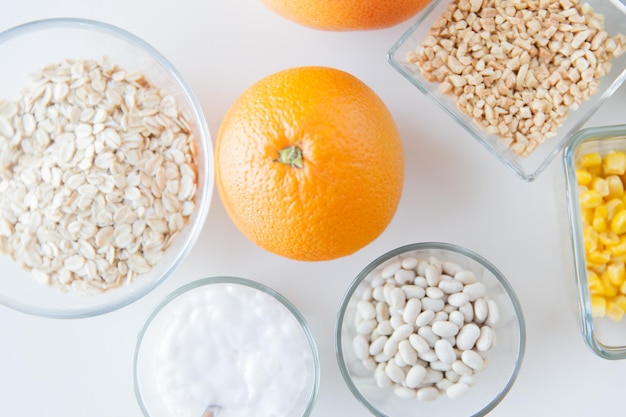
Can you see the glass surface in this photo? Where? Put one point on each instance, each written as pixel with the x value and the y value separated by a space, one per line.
pixel 604 336
pixel 492 383
pixel 28 48
pixel 527 168
pixel 151 402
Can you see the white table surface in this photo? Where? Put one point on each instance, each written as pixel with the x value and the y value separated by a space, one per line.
pixel 454 191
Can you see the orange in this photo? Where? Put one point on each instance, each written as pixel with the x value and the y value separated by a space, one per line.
pixel 309 164
pixel 344 15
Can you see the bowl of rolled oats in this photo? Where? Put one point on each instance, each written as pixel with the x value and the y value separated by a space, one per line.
pixel 520 76
pixel 106 171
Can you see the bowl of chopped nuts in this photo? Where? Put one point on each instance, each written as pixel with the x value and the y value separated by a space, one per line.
pixel 520 77
pixel 105 168
pixel 430 329
pixel 595 174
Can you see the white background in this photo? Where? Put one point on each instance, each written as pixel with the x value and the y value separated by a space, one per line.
pixel 454 191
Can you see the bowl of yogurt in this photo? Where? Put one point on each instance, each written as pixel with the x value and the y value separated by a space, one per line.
pixel 226 347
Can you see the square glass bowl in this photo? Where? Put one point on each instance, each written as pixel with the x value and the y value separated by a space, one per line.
pixel 605 336
pixel 529 167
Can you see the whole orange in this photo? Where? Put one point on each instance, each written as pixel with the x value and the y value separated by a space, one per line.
pixel 309 163
pixel 344 15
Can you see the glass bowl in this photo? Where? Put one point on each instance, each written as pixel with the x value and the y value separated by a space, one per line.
pixel 604 334
pixel 525 167
pixel 228 343
pixel 29 48
pixel 361 367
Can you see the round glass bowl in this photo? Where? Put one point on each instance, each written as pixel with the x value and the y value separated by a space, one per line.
pixel 227 343
pixel 501 360
pixel 27 49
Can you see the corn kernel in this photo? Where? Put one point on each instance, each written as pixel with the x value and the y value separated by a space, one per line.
pixel 618 222
pixel 601 211
pixel 598 306
pixel 600 185
pixel 613 311
pixel 618 249
pixel 590 198
pixel 587 215
pixel 594 283
pixel 599 224
pixel 583 177
pixel 608 238
pixel 590 238
pixel 620 300
pixel 616 186
pixel 616 273
pixel 614 163
pixel 591 160
pixel 599 257
pixel 610 290
pixel 613 206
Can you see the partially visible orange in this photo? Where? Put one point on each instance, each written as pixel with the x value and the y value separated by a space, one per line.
pixel 344 15
pixel 309 164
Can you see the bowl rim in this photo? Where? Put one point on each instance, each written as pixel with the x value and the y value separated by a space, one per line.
pixel 225 279
pixel 474 131
pixel 446 247
pixel 585 317
pixel 205 154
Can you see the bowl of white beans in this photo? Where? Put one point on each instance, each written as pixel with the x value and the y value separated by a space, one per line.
pixel 430 329
pixel 226 346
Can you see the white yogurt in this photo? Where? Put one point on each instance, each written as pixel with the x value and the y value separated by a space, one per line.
pixel 233 346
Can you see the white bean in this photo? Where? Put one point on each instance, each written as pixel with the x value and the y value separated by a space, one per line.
pixel 461 368
pixel 396 321
pixel 394 372
pixel 475 290
pixel 382 311
pixel 434 304
pixel 444 384
pixel 365 326
pixel 427 393
pixel 404 276
pixel 390 269
pixel 440 316
pixel 481 310
pixel 384 328
pixel 458 299
pixel 405 392
pixel 421 268
pixel 421 282
pixel 407 352
pixel 485 340
pixel 450 286
pixel 410 262
pixel 494 313
pixel 468 312
pixel 387 288
pixel 445 351
pixel 424 318
pixel 457 390
pixel 467 337
pixel 415 376
pixel 457 318
pixel 413 291
pixel 445 328
pixel 420 344
pixel 472 359
pixel 452 376
pixel 366 310
pixel 451 268
pixel 382 379
pixel 432 275
pixel 432 376
pixel 369 364
pixel 378 294
pixel 361 347
pixel 377 345
pixel 434 292
pixel 397 358
pixel 412 309
pixel 429 356
pixel 427 333
pixel 465 277
pixel 391 347
pixel 402 332
pixel 397 299
pixel 436 262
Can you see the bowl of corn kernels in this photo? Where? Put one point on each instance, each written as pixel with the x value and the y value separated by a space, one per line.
pixel 520 77
pixel 595 175
pixel 105 168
